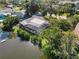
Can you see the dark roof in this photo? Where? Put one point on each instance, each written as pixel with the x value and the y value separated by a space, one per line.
pixel 35 23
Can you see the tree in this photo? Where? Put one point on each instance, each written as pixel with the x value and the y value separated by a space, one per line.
pixel 74 20
pixel 24 35
pixel 31 8
pixel 34 39
pixel 9 22
pixel 52 48
pixel 69 38
pixel 51 8
pixel 57 44
pixel 67 8
pixel 65 25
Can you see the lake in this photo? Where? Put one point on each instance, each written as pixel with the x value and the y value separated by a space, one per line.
pixel 16 49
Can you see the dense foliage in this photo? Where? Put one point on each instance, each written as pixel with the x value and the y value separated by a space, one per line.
pixel 9 22
pixel 58 40
pixel 31 8
pixel 23 34
pixel 67 8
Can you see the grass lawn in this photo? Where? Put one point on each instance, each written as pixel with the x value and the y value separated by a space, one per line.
pixel 1 25
pixel 2 6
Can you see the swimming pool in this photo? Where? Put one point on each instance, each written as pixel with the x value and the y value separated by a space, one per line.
pixel 1 17
pixel 3 36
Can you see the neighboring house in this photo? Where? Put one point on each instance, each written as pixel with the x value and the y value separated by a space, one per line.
pixel 76 31
pixel 6 11
pixel 77 4
pixel 57 16
pixel 35 24
pixel 61 17
pixel 18 1
pixel 4 1
pixel 64 2
pixel 13 1
pixel 20 14
pixel 38 14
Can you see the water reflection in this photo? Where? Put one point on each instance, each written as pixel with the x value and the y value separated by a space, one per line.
pixel 15 49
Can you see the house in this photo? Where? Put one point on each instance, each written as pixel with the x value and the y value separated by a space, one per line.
pixel 13 1
pixel 8 10
pixel 64 2
pixel 6 1
pixel 3 1
pixel 20 14
pixel 9 6
pixel 35 24
pixel 61 17
pixel 18 1
pixel 77 4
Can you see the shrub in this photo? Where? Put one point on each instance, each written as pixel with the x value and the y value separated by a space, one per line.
pixel 64 25
pixel 23 34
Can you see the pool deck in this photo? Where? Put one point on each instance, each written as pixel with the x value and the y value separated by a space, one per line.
pixel 1 20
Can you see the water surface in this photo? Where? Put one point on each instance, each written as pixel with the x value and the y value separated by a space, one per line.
pixel 15 49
